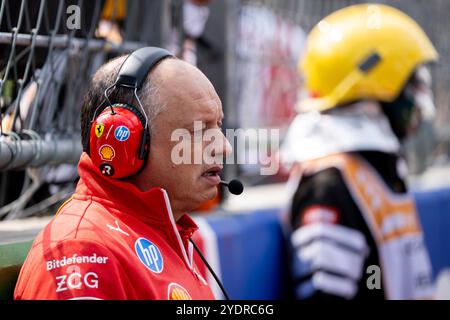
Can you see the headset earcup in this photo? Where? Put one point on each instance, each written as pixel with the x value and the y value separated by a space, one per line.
pixel 116 141
pixel 145 141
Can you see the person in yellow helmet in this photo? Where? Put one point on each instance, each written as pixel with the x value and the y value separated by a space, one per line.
pixel 354 229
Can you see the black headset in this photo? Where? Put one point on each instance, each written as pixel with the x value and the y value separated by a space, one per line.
pixel 122 156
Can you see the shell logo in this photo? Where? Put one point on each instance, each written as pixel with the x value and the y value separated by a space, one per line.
pixel 177 292
pixel 107 152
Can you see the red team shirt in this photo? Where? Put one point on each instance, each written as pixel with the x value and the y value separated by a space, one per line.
pixel 112 241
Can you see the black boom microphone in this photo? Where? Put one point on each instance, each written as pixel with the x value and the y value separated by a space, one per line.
pixel 234 186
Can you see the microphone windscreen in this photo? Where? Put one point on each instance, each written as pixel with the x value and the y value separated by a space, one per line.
pixel 235 187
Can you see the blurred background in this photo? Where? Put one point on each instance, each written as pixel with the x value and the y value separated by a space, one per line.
pixel 249 50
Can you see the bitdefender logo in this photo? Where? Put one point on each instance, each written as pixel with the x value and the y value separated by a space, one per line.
pixel 75 259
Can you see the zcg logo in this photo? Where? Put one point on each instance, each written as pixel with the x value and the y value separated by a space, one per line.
pixel 75 280
pixel 149 255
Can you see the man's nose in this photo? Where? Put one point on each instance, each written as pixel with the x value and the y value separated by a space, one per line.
pixel 228 147
pixel 223 147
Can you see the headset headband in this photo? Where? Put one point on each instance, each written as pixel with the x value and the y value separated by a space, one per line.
pixel 136 66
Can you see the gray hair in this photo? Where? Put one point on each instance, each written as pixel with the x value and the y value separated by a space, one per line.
pixel 151 100
pixel 103 78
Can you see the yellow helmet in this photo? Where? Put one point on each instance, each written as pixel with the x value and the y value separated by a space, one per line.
pixel 365 51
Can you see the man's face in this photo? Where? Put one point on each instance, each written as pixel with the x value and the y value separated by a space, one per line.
pixel 192 105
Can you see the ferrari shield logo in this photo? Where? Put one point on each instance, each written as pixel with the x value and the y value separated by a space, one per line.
pixel 99 128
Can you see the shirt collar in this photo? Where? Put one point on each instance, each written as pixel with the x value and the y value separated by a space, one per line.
pixel 151 207
pixel 186 226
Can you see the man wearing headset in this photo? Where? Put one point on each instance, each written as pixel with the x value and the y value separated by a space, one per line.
pixel 354 228
pixel 124 234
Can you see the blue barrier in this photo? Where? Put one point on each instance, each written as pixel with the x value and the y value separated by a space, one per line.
pixel 253 254
pixel 434 211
